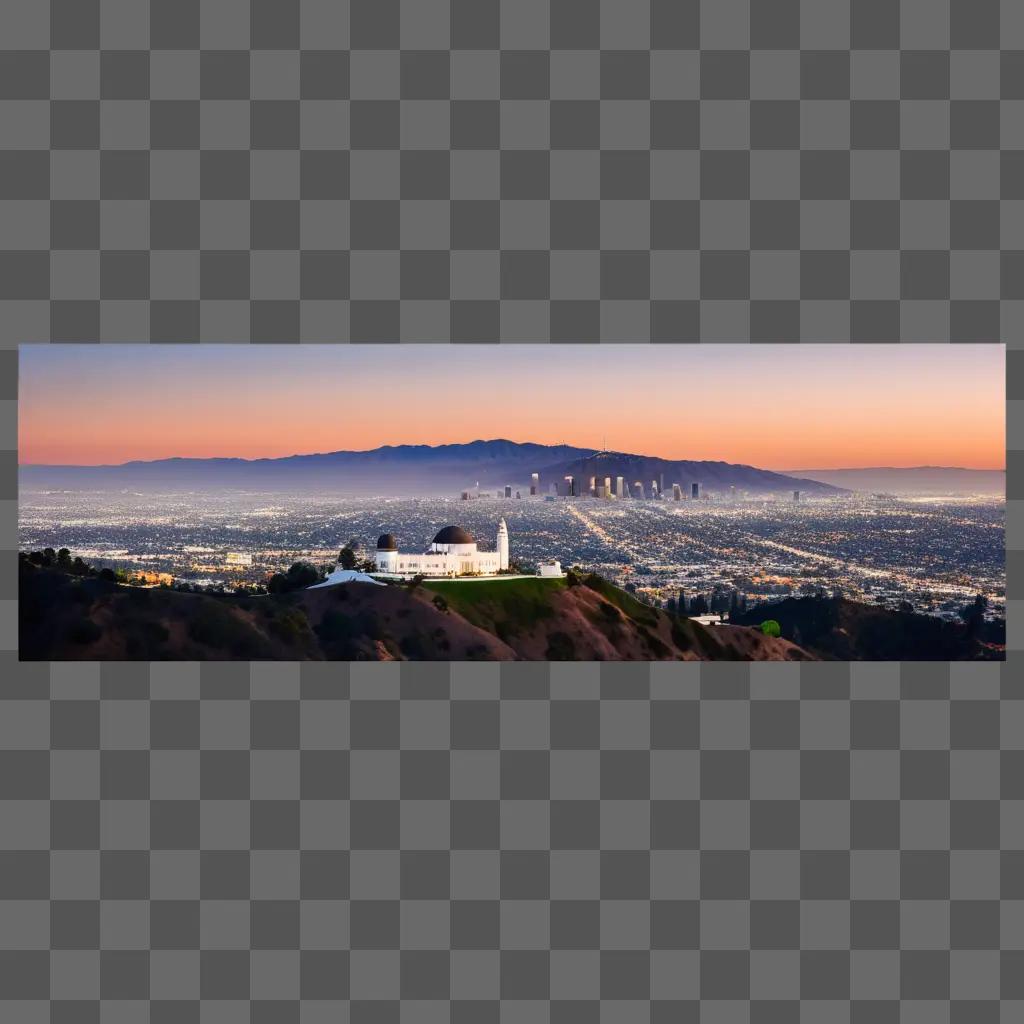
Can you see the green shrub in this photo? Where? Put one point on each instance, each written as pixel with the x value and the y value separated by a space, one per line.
pixel 213 625
pixel 560 647
pixel 291 626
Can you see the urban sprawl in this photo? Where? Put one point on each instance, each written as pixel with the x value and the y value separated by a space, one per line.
pixel 665 544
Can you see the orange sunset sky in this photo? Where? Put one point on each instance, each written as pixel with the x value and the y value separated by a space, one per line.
pixel 773 406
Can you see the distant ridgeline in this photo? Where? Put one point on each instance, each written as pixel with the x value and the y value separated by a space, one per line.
pixel 70 611
pixel 421 469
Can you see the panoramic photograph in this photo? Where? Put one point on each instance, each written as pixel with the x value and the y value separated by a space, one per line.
pixel 517 502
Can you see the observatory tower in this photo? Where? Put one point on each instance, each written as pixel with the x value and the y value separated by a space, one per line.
pixel 502 545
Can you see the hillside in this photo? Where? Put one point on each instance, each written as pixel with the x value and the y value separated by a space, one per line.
pixel 85 618
pixel 412 469
pixel 588 619
pixel 850 631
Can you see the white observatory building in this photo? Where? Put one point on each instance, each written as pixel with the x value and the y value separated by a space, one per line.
pixel 453 552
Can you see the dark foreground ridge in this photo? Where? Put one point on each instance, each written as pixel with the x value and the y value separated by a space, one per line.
pixel 70 611
pixel 68 614
pixel 833 628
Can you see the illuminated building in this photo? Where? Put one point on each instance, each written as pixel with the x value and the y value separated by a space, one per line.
pixel 453 552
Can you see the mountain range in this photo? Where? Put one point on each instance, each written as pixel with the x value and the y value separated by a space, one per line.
pixel 419 469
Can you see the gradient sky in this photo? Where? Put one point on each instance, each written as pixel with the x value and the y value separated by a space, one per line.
pixel 774 406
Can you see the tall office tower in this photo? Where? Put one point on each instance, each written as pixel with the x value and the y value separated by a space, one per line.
pixel 796 495
pixel 608 492
pixel 619 491
pixel 661 483
pixel 599 491
pixel 655 493
pixel 695 490
pixel 519 494
pixel 639 488
pixel 508 490
pixel 465 495
pixel 593 485
pixel 535 483
pixel 732 492
pixel 568 485
pixel 627 492
pixel 677 492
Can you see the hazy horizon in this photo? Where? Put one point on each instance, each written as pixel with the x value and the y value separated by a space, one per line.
pixel 768 406
pixel 486 440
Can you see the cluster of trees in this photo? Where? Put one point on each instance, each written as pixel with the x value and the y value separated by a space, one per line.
pixel 299 576
pixel 61 559
pixel 719 602
pixel 974 615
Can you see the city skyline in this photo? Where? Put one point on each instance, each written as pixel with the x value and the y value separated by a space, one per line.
pixel 759 405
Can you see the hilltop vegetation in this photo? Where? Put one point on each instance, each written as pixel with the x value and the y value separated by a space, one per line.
pixel 838 629
pixel 64 616
pixel 71 611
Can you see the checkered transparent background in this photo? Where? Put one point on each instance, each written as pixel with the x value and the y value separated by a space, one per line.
pixel 516 843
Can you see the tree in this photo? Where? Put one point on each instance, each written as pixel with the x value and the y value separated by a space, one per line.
pixel 299 576
pixel 905 606
pixel 671 606
pixel 302 575
pixel 770 627
pixel 698 605
pixel 974 614
pixel 682 603
pixel 347 557
pixel 64 558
